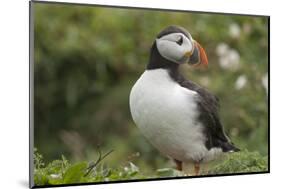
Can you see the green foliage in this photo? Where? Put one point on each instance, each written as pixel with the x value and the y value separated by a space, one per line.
pixel 242 162
pixel 75 173
pixel 63 172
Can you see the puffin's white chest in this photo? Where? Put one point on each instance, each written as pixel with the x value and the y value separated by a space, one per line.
pixel 167 114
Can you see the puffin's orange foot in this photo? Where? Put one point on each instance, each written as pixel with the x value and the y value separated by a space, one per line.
pixel 179 164
pixel 196 169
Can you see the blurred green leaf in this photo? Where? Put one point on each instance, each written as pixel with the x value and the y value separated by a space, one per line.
pixel 74 173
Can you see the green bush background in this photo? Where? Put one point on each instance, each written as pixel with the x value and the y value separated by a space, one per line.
pixel 87 59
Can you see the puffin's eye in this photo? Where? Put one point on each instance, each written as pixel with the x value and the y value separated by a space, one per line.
pixel 180 40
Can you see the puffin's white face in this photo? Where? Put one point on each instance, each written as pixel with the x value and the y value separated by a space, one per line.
pixel 175 47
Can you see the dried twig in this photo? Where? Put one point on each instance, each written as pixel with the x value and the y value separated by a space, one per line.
pixel 100 158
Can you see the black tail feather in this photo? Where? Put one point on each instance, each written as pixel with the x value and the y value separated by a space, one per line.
pixel 229 147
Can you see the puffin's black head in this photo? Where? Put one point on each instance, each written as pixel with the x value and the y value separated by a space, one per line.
pixel 174 46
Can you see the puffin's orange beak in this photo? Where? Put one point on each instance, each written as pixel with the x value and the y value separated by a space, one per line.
pixel 202 55
pixel 198 57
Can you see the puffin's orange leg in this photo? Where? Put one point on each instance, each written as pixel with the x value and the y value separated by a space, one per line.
pixel 196 169
pixel 179 164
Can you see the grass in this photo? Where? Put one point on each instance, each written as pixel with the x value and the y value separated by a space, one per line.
pixel 241 162
pixel 63 172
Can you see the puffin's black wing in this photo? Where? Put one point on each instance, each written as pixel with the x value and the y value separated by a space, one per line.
pixel 208 108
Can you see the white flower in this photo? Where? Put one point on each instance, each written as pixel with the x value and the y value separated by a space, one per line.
pixel 55 176
pixel 234 57
pixel 222 49
pixel 241 82
pixel 228 58
pixel 234 30
pixel 224 63
pixel 126 169
pixel 264 82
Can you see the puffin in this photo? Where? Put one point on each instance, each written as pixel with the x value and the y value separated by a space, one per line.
pixel 177 116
